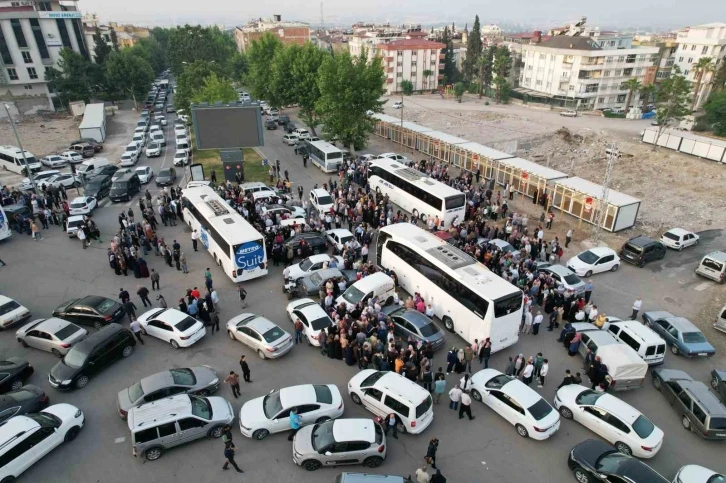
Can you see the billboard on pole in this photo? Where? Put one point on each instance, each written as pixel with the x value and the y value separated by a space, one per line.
pixel 226 126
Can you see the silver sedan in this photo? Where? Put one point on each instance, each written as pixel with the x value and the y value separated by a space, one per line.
pixel 51 335
pixel 261 335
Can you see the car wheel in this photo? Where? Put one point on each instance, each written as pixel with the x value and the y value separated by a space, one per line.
pixel 311 465
pixel 322 420
pixel 372 462
pixel 641 264
pixel 22 342
pixel 72 434
pixel 9 479
pixel 448 323
pixel 389 300
pixel 522 431
pixel 674 349
pixel 260 434
pixel 216 432
pixel 588 274
pixel 56 353
pixel 423 217
pixel 230 334
pixel 565 412
pixel 174 344
pixel 261 354
pixel 143 330
pixel 17 384
pixel 623 448
pixel 128 350
pixel 680 249
pixel 356 398
pixel 581 475
pixel 615 268
pixel 686 423
pixel 203 393
pixel 656 383
pixel 696 242
pixel 98 325
pixel 153 454
pixel 714 383
pixel 82 382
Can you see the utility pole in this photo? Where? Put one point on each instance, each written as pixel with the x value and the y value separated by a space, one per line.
pixel 322 20
pixel 612 156
pixel 401 110
pixel 22 151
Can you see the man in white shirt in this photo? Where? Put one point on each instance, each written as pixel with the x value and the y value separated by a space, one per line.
pixel 528 371
pixel 422 476
pixel 195 237
pixel 543 372
pixel 637 305
pixel 465 407
pixel 455 396
pixel 537 320
pixel 593 313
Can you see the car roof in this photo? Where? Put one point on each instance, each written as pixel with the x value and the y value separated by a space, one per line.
pixel 641 240
pixel 515 388
pixel 397 384
pixel 678 231
pixel 52 325
pixel 618 407
pixel 312 309
pixel 171 316
pixel 602 251
pixel 295 395
pixel 328 273
pixel 75 218
pixel 705 397
pixel 559 270
pixel 600 337
pixel 718 256
pixel 157 381
pixel 340 232
pixel 102 334
pixel 322 257
pixel 415 317
pixel 151 414
pixel 143 168
pixel 320 192
pixel 357 429
pixel 12 427
pixel 261 324
pixel 80 199
pixel 683 324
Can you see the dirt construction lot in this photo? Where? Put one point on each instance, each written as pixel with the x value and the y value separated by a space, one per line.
pixel 676 190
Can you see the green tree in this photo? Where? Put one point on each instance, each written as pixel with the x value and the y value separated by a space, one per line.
pixel 700 69
pixel 501 67
pixel 647 91
pixel 349 87
pixel 190 43
pixel 719 80
pixel 459 89
pixel 215 89
pixel 280 90
pixel 427 74
pixel 715 108
pixel 488 69
pixel 305 69
pixel 671 101
pixel 101 49
pixel 260 65
pixel 129 73
pixel 473 51
pixel 631 85
pixel 161 35
pixel 238 67
pixel 75 79
pixel 152 51
pixel 450 72
pixel 407 87
pixel 114 40
pixel 191 80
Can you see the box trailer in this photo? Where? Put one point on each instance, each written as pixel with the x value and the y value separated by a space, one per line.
pixel 93 125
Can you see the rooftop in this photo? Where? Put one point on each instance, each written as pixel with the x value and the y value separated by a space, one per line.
pixel 573 43
pixel 411 44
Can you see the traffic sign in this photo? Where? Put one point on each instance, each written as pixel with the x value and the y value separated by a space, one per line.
pixel 525 175
pixel 588 204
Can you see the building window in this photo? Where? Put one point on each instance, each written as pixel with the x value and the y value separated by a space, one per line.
pixel 4 50
pixel 606 73
pixel 27 57
pixel 572 88
pixel 685 72
pixel 705 50
pixel 638 71
pixel 78 30
pixel 32 73
pixel 538 83
pixel 618 73
pixel 690 60
pixel 399 52
pixel 693 47
pixel 621 98
pixel 680 59
pixel 621 58
pixel 13 74
pixel 18 30
pixel 44 6
pixel 628 72
pixel 63 29
pixel 549 85
pixel 27 87
pixel 601 100
pixel 39 40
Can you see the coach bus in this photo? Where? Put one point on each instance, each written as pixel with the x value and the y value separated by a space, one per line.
pixel 5 230
pixel 466 296
pixel 415 192
pixel 324 155
pixel 236 246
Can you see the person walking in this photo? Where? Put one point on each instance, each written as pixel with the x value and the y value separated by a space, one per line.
pixel 214 316
pixel 543 372
pixel 233 381
pixel 391 424
pixel 245 368
pixel 130 310
pixel 208 279
pixel 468 357
pixel 154 280
pixel 215 300
pixel 227 435
pixel 135 327
pixel 423 476
pixel 455 397
pixel 162 301
pixel 438 477
pixel 439 388
pixel 229 455
pixel 637 305
pixel 143 292
pixel 431 452
pixel 568 238
pixel 242 296
pixel 465 407
pixel 485 352
pixel 123 296
pixel 295 423
pixel 588 290
pixel 298 331
pixel 536 323
pixel 183 261
pixel 195 238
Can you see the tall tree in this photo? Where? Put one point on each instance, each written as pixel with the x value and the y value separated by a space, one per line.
pixel 427 74
pixel 189 43
pixel 238 67
pixel 114 40
pixel 260 65
pixel 631 85
pixel 702 67
pixel 161 35
pixel 488 68
pixel 459 89
pixel 215 89
pixel 473 51
pixel 75 79
pixel 647 91
pixel 280 90
pixel 501 67
pixel 129 73
pixel 349 87
pixel 152 51
pixel 719 80
pixel 715 108
pixel 305 69
pixel 450 73
pixel 671 101
pixel 101 49
pixel 191 80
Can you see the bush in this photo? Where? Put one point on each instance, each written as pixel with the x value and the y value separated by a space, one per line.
pixel 407 87
pixel 486 103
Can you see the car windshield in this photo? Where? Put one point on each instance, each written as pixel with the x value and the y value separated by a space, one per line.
pixel 643 427
pixel 540 409
pixel 353 295
pixel 306 264
pixel 572 279
pixel 9 307
pixel 46 420
pixel 185 324
pixel 183 377
pixel 588 257
pixel 75 358
pixel 164 173
pixel 67 331
pixel 271 404
pixel 608 463
pixel 429 329
pixel 135 391
pixel 106 306
pixel 94 184
pixel 153 146
pixel 130 149
pixel 671 236
pixel 322 435
pixel 712 264
pixel 373 378
pixel 273 334
pixel 325 200
pixel 201 407
pixel 321 323
pixel 632 248
pixel 323 394
pixel 588 397
pixel 693 337
pixel 78 204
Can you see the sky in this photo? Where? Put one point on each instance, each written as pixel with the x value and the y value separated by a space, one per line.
pixel 620 14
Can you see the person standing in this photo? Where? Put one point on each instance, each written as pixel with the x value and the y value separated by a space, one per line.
pixel 567 380
pixel 229 455
pixel 143 292
pixel 245 368
pixel 536 323
pixel 438 477
pixel 215 300
pixel 568 238
pixel 485 352
pixel 588 290
pixel 130 310
pixel 136 329
pixel 465 407
pixel 439 388
pixel 455 397
pixel 242 296
pixel 431 452
pixel 183 261
pixel 391 424
pixel 123 296
pixel 295 423
pixel 543 372
pixel 423 476
pixel 468 357
pixel 233 381
pixel 298 331
pixel 195 237
pixel 637 305
pixel 154 280
pixel 528 372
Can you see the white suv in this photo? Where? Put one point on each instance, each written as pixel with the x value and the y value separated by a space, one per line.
pixel 321 200
pixel 26 439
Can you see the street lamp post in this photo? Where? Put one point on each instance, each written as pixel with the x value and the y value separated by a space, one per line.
pixel 22 151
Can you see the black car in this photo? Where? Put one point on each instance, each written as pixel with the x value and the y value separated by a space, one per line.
pixel 108 170
pixel 593 461
pixel 91 310
pixel 317 241
pixel 13 372
pixel 166 177
pixel 290 127
pixel 88 357
pixel 97 147
pixel 270 125
pixel 640 250
pixel 409 322
pixel 27 399
pixel 283 119
pixel 99 187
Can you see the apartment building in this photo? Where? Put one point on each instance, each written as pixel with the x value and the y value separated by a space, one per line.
pixel 368 40
pixel 694 43
pixel 288 32
pixel 32 34
pixel 588 71
pixel 90 22
pixel 410 59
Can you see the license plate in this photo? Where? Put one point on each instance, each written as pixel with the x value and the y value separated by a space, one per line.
pixel 702 354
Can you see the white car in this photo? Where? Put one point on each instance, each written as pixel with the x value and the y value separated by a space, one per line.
pixel 398 105
pixel 139 139
pixel 162 120
pixel 338 237
pixel 153 150
pixel 678 238
pixel 11 312
pixel 140 129
pixel 73 225
pixel 394 156
pixel 72 157
pixel 321 200
pixel 182 139
pixel 158 137
pixel 290 139
pixel 127 159
pixel 30 437
pixel 83 205
pixel 698 474
pixel 52 335
pixel 569 113
pixel 312 316
pixel 516 402
pixel 271 413
pixel 594 260
pixel 121 173
pixel 181 157
pixel 172 326
pixel 260 334
pixel 133 149
pixel 612 419
pixel 145 174
pixel 53 161
pixel 309 266
pixel 65 179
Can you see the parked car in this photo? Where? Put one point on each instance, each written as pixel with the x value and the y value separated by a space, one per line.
pixel 290 139
pixel 680 334
pixel 153 150
pixel 394 156
pixel 398 105
pixel 566 278
pixel 313 317
pixel 568 113
pixel 310 265
pixel 109 169
pixel 12 312
pixel 594 260
pixel 343 441
pixel 678 238
pixel 52 335
pixel 66 180
pixel 698 474
pixel 260 334
pixel 121 173
pixel 27 399
pixel 283 119
pixel 317 241
pixel 172 326
pixel 270 124
pixel 145 174
pixel 504 246
pixel 718 383
pixel 74 224
pixel 338 237
pixel 97 147
pixel 181 157
pixel 91 310
pixel 412 323
pixel 99 187
pixel 594 461
pixel 640 250
pixel 83 205
pixel 321 200
pixel 199 380
pixel 134 150
pixel 72 157
pixel 316 403
pixel 53 161
pixel 14 371
pixel 311 284
pixel 166 177
pixel 700 410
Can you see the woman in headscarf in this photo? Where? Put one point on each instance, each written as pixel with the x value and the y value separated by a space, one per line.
pixel 574 344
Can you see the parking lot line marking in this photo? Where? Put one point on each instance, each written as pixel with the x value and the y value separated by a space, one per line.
pixel 702 286
pixel 119 440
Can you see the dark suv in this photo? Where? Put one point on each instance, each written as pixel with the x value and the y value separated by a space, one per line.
pixel 641 250
pixel 317 241
pixel 594 461
pixel 99 186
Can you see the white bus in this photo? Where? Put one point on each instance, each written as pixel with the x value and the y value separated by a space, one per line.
pixel 11 158
pixel 236 246
pixel 324 155
pixel 5 230
pixel 415 192
pixel 466 296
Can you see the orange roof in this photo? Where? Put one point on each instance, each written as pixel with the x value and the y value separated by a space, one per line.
pixel 411 44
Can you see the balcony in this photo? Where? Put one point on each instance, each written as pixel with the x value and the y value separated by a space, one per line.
pixel 442 56
pixel 389 80
pixel 442 66
pixel 389 59
pixel 440 76
pixel 389 69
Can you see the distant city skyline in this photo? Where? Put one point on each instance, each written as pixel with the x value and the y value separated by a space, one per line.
pixel 616 14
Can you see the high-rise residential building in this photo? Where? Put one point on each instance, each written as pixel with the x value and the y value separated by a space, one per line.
pixel 32 34
pixel 288 32
pixel 415 59
pixel 695 43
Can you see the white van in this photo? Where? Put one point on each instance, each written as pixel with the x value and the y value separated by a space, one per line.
pixel 377 285
pixel 90 164
pixel 183 145
pixel 713 266
pixel 641 338
pixel 386 392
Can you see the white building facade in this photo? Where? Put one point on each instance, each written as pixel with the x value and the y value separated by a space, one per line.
pixel 410 59
pixel 694 43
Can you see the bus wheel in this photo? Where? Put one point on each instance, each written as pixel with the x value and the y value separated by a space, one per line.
pixel 448 323
pixel 378 190
pixel 415 213
pixel 423 217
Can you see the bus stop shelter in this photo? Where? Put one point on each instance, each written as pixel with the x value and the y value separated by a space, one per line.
pixel 582 199
pixel 528 178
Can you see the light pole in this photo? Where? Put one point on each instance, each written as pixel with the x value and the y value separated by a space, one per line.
pixel 22 151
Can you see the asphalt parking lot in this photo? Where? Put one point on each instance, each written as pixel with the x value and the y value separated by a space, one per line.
pixel 43 274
